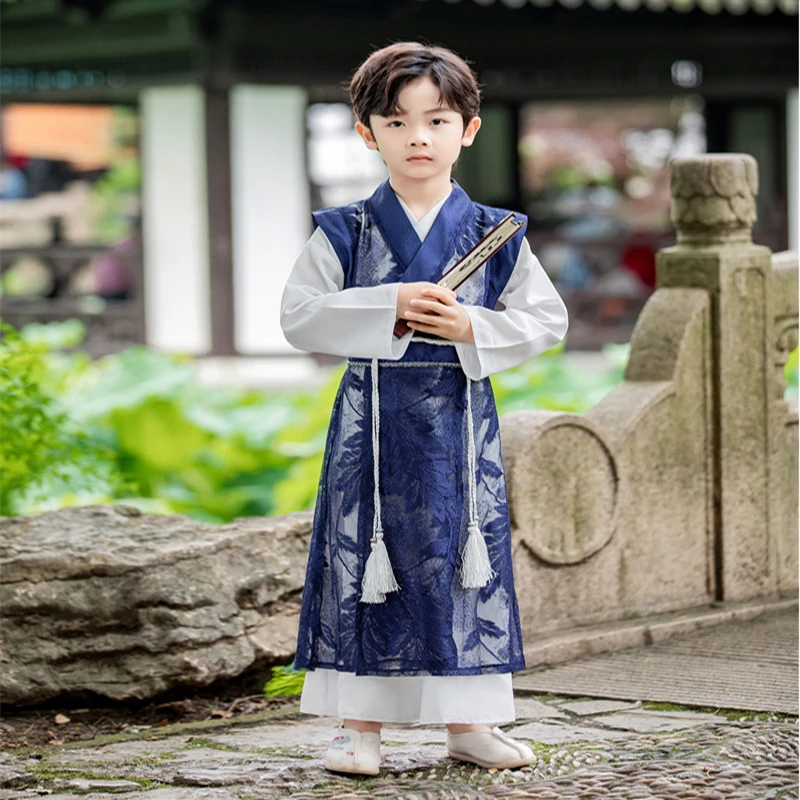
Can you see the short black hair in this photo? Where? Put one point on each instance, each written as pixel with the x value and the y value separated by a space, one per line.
pixel 377 83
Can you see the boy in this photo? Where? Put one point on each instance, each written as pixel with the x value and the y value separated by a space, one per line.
pixel 409 612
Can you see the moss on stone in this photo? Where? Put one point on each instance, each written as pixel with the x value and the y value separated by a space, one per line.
pixel 44 773
pixel 201 741
pixel 730 714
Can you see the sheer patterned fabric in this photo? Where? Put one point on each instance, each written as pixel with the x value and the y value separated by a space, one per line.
pixel 431 626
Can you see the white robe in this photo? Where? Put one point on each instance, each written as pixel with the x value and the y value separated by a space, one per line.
pixel 319 315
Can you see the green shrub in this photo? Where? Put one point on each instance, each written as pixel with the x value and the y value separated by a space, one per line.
pixel 212 454
pixel 190 449
pixel 552 382
pixel 42 450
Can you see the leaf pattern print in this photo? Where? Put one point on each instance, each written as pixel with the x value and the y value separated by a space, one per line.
pixel 431 626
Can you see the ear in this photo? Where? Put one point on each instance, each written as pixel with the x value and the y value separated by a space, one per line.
pixel 469 132
pixel 366 134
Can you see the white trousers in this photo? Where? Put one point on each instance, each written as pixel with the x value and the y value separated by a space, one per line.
pixel 419 698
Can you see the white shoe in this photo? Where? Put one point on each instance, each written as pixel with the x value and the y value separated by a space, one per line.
pixel 357 752
pixel 489 749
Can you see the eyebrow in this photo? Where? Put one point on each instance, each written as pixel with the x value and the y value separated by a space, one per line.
pixel 401 112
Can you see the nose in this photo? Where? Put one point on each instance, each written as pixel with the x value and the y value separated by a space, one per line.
pixel 418 136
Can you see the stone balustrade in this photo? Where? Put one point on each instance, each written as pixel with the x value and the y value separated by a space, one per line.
pixel 680 487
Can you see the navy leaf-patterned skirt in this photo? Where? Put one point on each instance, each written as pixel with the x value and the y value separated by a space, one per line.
pixel 431 626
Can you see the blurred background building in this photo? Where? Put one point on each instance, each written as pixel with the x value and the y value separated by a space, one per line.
pixel 160 157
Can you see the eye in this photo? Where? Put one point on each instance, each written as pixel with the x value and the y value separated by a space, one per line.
pixel 438 121
pixel 394 123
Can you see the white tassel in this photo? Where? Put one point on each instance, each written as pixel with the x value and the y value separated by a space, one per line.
pixel 476 570
pixel 378 577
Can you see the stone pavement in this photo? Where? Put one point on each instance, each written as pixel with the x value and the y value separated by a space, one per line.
pixel 709 667
pixel 586 748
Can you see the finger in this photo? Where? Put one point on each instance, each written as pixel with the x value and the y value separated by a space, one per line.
pixel 429 306
pixel 438 291
pixel 447 296
pixel 434 311
pixel 425 327
pixel 425 319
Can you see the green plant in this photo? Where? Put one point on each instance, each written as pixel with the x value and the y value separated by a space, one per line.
pixel 551 381
pixel 285 682
pixel 217 454
pixel 190 449
pixel 40 445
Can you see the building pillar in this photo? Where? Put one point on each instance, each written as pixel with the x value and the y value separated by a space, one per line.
pixel 792 135
pixel 220 222
pixel 270 208
pixel 175 219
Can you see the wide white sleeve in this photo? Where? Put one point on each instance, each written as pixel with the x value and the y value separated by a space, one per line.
pixel 534 319
pixel 320 316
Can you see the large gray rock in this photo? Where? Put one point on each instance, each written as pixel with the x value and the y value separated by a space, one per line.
pixel 106 600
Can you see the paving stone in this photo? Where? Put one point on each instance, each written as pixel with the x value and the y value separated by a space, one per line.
pixel 208 772
pixel 695 715
pixel 750 665
pixel 608 752
pixel 585 708
pixel 210 776
pixel 653 721
pixel 555 733
pixel 527 708
pixel 93 785
pixel 315 733
pixel 120 751
pixel 401 759
pixel 416 736
pixel 169 793
pixel 13 776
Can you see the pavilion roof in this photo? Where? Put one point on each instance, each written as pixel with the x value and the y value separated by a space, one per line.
pixel 708 6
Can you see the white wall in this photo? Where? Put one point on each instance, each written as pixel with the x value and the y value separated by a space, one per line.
pixel 792 134
pixel 271 208
pixel 175 221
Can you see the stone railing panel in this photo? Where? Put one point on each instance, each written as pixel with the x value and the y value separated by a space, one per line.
pixel 564 463
pixel 611 512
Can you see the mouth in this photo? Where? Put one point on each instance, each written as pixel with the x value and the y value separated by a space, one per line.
pixel 419 159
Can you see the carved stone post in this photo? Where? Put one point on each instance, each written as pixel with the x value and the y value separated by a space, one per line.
pixel 713 209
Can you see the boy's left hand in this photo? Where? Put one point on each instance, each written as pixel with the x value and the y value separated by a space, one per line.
pixel 441 314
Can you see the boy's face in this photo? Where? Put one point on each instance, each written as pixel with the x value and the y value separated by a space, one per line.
pixel 423 140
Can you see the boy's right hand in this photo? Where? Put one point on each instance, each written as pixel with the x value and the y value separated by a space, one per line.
pixel 410 291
